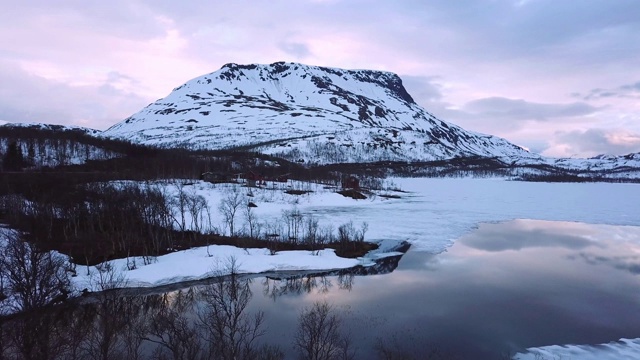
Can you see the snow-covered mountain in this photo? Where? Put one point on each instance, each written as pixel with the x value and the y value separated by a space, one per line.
pixel 306 113
pixel 624 166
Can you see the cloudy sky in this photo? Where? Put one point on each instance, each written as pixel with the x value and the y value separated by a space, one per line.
pixel 560 77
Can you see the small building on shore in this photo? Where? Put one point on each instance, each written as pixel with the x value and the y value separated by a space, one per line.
pixel 217 177
pixel 350 182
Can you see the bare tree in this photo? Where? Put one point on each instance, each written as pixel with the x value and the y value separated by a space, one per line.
pixel 32 281
pixel 347 233
pixel 313 237
pixel 228 208
pixel 228 330
pixel 319 335
pixel 180 202
pixel 33 278
pixel 294 220
pixel 252 222
pixel 197 205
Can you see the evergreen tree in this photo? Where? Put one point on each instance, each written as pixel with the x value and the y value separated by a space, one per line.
pixel 31 152
pixel 13 160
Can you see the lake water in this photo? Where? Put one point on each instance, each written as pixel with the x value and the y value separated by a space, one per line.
pixel 500 289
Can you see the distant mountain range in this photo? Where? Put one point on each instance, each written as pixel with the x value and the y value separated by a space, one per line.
pixel 318 115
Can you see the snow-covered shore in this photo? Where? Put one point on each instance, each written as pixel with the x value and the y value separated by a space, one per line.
pixel 201 263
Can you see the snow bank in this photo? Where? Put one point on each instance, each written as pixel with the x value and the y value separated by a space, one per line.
pixel 201 263
pixel 622 349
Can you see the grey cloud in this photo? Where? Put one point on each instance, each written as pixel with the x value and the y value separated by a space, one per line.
pixel 517 109
pixel 632 87
pixel 423 89
pixel 600 141
pixel 29 98
pixel 298 50
pixel 624 91
pixel 596 32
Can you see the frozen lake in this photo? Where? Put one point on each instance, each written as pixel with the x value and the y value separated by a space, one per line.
pixel 435 212
pixel 498 290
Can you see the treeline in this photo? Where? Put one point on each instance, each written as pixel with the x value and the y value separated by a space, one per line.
pixel 570 178
pixel 95 222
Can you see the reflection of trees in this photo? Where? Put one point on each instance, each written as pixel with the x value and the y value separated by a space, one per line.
pixel 172 330
pixel 229 331
pixel 306 284
pixel 115 323
pixel 111 314
pixel 274 287
pixel 320 335
pixel 206 322
pixel 34 335
pixel 103 328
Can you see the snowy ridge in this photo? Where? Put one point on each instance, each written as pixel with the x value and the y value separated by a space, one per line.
pixel 54 127
pixel 602 163
pixel 56 145
pixel 294 110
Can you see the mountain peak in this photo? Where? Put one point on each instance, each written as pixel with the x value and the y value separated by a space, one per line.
pixel 320 75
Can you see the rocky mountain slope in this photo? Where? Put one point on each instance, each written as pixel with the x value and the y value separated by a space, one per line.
pixel 306 113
